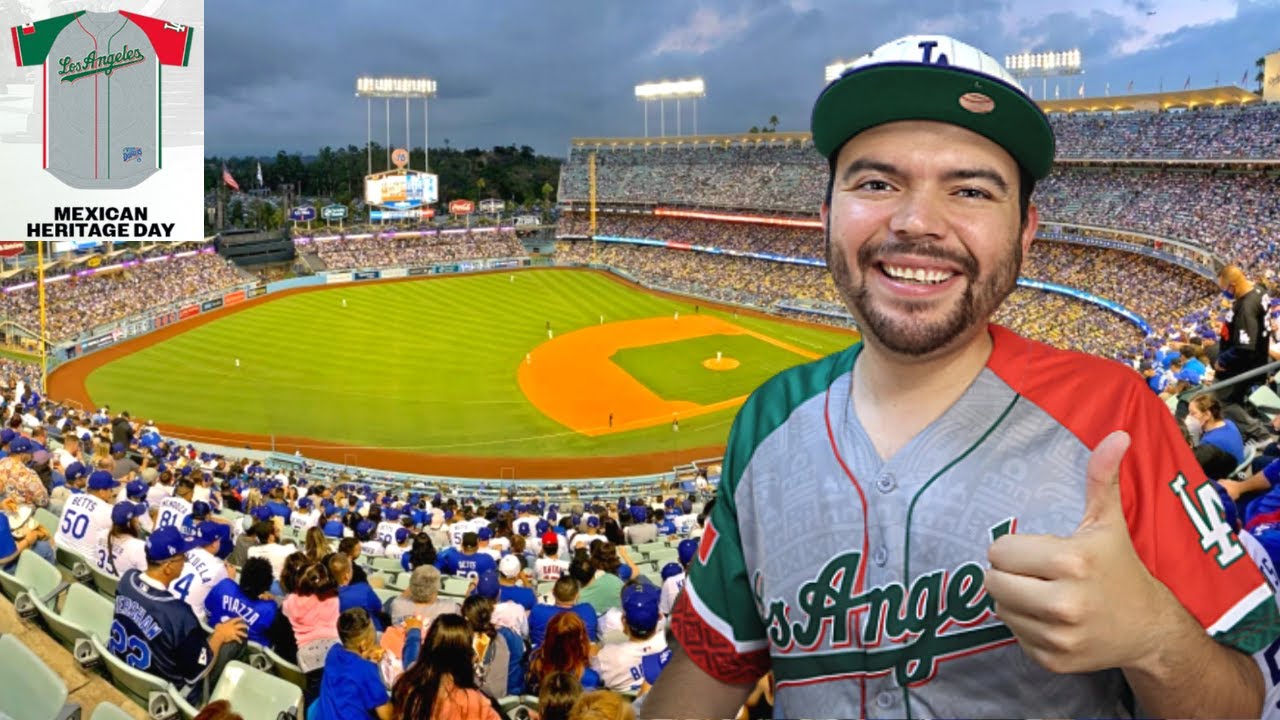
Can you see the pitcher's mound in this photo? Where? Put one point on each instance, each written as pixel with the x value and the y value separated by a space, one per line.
pixel 720 365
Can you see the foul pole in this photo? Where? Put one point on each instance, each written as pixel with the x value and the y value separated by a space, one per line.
pixel 591 201
pixel 44 330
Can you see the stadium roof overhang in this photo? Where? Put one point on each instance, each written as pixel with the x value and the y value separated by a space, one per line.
pixel 1227 96
pixel 769 138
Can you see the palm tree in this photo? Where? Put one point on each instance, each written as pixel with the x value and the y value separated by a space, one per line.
pixel 773 123
pixel 1260 63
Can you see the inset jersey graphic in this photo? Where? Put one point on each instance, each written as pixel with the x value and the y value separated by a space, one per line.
pixel 101 81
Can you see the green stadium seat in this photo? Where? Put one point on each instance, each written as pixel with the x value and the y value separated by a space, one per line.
pixel 386 564
pixel 454 585
pixel 107 711
pixel 104 582
pixel 84 613
pixel 29 690
pixel 399 582
pixel 385 594
pixel 256 695
pixel 664 556
pixel 138 686
pixel 185 710
pixel 33 576
pixel 68 558
pixel 47 520
pixel 286 670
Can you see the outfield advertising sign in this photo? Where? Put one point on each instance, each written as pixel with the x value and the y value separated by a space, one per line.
pixel 305 213
pixel 208 305
pixel 365 275
pixel 11 248
pixel 333 212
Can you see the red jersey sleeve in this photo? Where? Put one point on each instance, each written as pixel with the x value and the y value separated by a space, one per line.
pixel 172 41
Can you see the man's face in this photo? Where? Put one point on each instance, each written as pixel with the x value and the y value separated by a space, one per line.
pixel 923 237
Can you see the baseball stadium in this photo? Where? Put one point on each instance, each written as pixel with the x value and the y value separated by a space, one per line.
pixel 388 383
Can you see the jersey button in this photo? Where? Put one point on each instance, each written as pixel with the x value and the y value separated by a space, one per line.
pixel 886 483
pixel 885 699
pixel 880 556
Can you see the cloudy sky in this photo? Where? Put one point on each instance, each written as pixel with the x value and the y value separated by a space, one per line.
pixel 281 74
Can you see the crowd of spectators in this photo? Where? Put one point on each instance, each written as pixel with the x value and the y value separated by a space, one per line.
pixel 382 252
pixel 78 304
pixel 1210 134
pixel 1068 323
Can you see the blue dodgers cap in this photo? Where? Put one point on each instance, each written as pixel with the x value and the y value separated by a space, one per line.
pixel 7 435
pixel 487 584
pixel 593 521
pixel 207 532
pixel 21 445
pixel 934 77
pixel 117 447
pixel 391 515
pixel 624 572
pixel 402 534
pixel 305 503
pixel 168 542
pixel 262 512
pixel 686 550
pixel 671 570
pixel 136 490
pixel 542 527
pixel 365 527
pixel 483 534
pixel 639 513
pixel 640 606
pixel 102 480
pixel 74 471
pixel 448 514
pixel 200 509
pixel 123 512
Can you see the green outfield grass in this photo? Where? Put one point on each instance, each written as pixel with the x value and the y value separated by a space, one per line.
pixel 674 370
pixel 427 366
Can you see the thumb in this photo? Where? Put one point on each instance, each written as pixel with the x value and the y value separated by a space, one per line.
pixel 1102 479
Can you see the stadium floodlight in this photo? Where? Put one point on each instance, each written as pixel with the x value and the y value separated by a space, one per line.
pixel 408 88
pixel 663 90
pixel 1044 65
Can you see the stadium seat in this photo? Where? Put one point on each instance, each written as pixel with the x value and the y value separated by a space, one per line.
pixel 178 703
pixel 399 582
pixel 104 581
pixel 33 576
pixel 29 690
pixel 255 694
pixel 68 558
pixel 1266 401
pixel 107 711
pixel 84 613
pixel 385 594
pixel 647 548
pixel 286 670
pixel 379 579
pixel 146 690
pixel 386 564
pixel 665 555
pixel 47 520
pixel 454 586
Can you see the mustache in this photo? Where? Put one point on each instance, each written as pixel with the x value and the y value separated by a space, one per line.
pixel 868 255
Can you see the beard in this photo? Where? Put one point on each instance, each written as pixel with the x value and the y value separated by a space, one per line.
pixel 906 328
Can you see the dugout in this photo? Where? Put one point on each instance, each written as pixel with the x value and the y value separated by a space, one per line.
pixel 250 248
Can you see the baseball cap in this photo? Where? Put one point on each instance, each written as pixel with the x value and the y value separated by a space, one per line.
pixel 509 566
pixel 200 509
pixel 168 542
pixel 75 470
pixel 484 533
pixel 364 527
pixel 262 512
pixel 136 490
pixel 123 512
pixel 934 77
pixel 117 448
pixel 624 572
pixel 21 445
pixel 207 532
pixel 593 521
pixel 7 435
pixel 487 584
pixel 686 550
pixel 102 480
pixel 305 503
pixel 550 538
pixel 402 534
pixel 670 570
pixel 640 606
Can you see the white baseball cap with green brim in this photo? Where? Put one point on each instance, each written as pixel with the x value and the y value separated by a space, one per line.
pixel 934 77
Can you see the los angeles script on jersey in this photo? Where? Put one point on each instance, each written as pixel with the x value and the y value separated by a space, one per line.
pixel 941 615
pixel 70 70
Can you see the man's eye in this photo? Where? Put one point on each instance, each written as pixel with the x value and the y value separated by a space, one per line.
pixel 873 185
pixel 977 193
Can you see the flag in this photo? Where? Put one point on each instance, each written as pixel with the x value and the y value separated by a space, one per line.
pixel 1107 90
pixel 1130 86
pixel 1056 91
pixel 1187 84
pixel 259 174
pixel 230 181
pixel 1081 92
pixel 1244 79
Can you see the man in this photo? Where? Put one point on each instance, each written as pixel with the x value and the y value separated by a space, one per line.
pixel 550 566
pixel 674 583
pixel 354 594
pixel 176 509
pixel 19 481
pixel 86 518
pixel 621 664
pixel 565 594
pixel 369 544
pixel 69 452
pixel 157 633
pixel 162 488
pixel 386 530
pixel 121 432
pixel 203 569
pixel 240 554
pixel 247 599
pixel 305 517
pixel 403 543
pixel 642 530
pixel 269 547
pixel 124 465
pixel 468 562
pixel 863 495
pixel 1246 337
pixel 511 581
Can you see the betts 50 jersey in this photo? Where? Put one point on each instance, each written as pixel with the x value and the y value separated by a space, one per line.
pixel 101 79
pixel 860 581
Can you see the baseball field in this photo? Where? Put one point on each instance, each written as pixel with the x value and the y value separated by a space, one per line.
pixel 536 373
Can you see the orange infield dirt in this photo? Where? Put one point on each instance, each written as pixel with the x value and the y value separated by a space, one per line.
pixel 67 383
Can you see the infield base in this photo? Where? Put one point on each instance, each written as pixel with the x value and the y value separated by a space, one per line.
pixel 720 364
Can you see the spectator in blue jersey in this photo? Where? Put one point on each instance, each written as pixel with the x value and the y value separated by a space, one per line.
pixel 565 594
pixel 352 685
pixel 468 562
pixel 665 525
pixel 249 600
pixel 353 594
pixel 1204 420
pixel 1191 364
pixel 332 523
pixel 422 552
pixel 277 505
pixel 157 632
pixel 512 581
pixel 202 512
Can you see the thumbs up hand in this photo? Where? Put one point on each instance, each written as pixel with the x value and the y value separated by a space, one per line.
pixel 1085 602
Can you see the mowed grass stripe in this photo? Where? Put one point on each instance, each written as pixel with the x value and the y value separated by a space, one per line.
pixel 428 365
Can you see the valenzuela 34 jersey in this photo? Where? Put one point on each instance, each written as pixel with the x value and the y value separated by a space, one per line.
pixel 101 79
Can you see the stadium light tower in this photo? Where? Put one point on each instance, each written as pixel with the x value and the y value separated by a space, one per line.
pixel 1044 65
pixel 690 89
pixel 396 87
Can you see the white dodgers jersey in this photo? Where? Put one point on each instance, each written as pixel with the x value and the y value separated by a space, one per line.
pixel 84 525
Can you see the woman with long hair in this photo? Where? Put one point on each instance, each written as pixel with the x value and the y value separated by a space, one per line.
pixel 442 683
pixel 313 608
pixel 566 648
pixel 317 544
pixel 124 548
pixel 560 690
pixel 499 650
pixel 423 552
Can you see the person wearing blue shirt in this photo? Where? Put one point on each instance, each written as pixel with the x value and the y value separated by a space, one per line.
pixel 565 593
pixel 509 588
pixel 1205 411
pixel 229 599
pixel 351 686
pixel 36 537
pixel 354 594
pixel 470 562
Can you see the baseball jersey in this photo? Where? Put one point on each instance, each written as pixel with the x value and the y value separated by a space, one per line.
pixel 549 569
pixel 84 525
pixel 621 665
pixel 126 553
pixel 158 492
pixel 373 549
pixel 198 577
pixel 101 80
pixel 386 532
pixel 671 588
pixel 155 632
pixel 173 510
pixel 860 581
pixel 303 522
pixel 226 602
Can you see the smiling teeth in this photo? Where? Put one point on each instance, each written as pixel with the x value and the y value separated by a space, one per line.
pixel 930 277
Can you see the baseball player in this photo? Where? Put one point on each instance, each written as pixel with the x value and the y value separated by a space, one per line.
pixel 86 518
pixel 176 509
pixel 101 79
pixel 203 569
pixel 940 521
